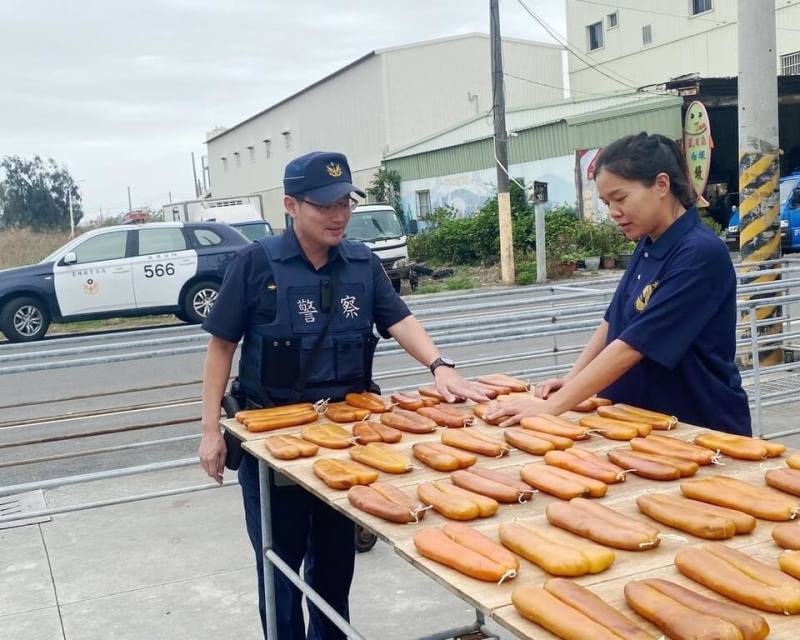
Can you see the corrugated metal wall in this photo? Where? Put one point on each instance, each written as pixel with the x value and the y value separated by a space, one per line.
pixel 549 141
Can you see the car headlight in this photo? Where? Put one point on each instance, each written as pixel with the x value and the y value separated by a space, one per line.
pixel 784 224
pixel 399 264
pixel 733 228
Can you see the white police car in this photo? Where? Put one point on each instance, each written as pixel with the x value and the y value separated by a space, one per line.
pixel 126 270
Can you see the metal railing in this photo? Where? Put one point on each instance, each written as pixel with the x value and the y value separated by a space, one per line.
pixel 569 310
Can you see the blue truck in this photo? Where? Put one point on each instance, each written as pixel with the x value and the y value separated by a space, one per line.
pixel 790 217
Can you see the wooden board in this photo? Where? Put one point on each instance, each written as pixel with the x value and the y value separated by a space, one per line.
pixel 612 592
pixel 495 599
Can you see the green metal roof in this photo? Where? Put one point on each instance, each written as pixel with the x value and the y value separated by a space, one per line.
pixel 541 132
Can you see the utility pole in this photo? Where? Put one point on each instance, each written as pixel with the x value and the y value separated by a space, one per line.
pixel 194 173
pixel 71 216
pixel 130 206
pixel 501 147
pixel 759 169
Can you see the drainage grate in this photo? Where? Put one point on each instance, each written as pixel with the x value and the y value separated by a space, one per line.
pixel 20 504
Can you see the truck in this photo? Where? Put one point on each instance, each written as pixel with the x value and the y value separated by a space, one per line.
pixel 378 226
pixel 244 213
pixel 789 213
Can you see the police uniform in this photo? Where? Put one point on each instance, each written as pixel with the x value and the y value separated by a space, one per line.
pixel 274 298
pixel 676 305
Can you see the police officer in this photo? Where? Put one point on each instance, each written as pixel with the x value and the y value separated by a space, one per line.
pixel 305 303
pixel 668 339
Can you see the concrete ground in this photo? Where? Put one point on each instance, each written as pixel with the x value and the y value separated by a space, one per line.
pixel 178 568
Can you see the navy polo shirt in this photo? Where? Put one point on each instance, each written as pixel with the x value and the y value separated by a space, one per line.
pixel 245 299
pixel 676 305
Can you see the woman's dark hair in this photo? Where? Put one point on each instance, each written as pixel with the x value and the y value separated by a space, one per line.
pixel 642 157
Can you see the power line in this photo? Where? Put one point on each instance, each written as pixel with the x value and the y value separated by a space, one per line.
pixel 655 13
pixel 552 86
pixel 625 82
pixel 672 15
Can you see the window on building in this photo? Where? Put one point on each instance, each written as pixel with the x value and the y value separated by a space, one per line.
pixel 423 203
pixel 790 64
pixel 594 36
pixel 224 163
pixel 238 158
pixel 647 34
pixel 161 241
pixel 252 151
pixel 267 147
pixel 700 6
pixel 612 19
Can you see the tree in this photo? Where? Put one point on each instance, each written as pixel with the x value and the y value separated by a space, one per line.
pixel 35 193
pixel 385 187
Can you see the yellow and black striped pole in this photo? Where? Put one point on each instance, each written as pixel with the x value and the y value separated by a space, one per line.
pixel 759 220
pixel 759 236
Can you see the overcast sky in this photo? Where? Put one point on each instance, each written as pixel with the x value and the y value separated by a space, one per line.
pixel 122 92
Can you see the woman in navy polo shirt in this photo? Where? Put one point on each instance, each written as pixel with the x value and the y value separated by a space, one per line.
pixel 668 339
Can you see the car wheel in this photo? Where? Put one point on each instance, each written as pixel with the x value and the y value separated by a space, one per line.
pixel 199 300
pixel 24 320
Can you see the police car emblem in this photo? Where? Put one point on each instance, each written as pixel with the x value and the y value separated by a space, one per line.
pixel 91 287
pixel 644 297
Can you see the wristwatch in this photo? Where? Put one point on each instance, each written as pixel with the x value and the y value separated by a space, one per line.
pixel 442 361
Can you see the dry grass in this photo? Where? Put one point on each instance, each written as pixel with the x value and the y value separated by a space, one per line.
pixel 23 246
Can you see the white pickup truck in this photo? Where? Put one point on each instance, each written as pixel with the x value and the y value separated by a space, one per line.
pixel 378 227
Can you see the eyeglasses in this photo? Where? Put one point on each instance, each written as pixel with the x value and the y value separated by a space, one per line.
pixel 345 203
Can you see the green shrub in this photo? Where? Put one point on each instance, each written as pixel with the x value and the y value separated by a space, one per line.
pixel 428 288
pixel 526 273
pixel 459 282
pixel 712 224
pixel 475 240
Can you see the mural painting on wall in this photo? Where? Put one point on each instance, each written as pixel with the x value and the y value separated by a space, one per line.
pixel 465 197
pixel 697 146
pixel 591 207
pixel 465 193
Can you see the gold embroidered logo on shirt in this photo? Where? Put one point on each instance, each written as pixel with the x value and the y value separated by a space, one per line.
pixel 644 296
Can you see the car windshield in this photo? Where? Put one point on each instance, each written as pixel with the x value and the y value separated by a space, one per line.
pixel 254 231
pixel 369 226
pixel 787 186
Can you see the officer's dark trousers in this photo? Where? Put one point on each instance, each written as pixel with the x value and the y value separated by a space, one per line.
pixel 303 529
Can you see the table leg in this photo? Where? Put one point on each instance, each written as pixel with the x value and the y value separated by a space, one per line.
pixel 264 473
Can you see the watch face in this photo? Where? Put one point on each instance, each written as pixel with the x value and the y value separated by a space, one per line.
pixel 448 361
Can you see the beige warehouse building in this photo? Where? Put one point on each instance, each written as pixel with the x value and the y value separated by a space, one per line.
pixel 383 101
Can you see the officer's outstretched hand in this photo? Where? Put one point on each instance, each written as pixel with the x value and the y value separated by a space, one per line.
pixel 451 385
pixel 517 408
pixel 212 455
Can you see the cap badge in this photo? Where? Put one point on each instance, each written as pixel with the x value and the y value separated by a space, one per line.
pixel 334 170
